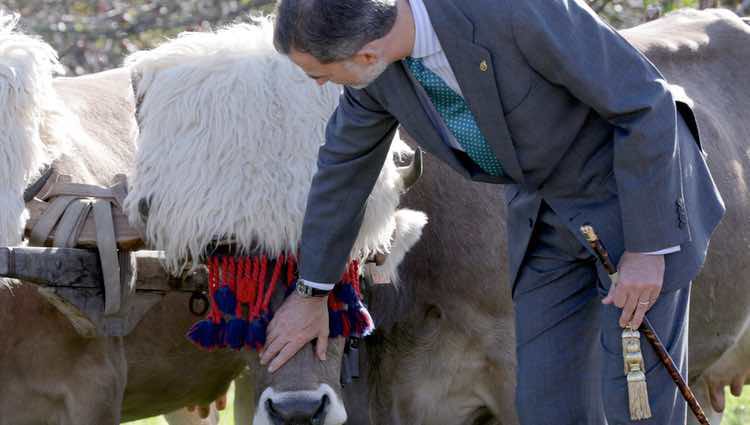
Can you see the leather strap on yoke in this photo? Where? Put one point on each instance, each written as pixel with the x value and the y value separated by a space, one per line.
pixel 70 206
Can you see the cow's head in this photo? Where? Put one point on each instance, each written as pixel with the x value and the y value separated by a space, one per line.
pixel 307 390
pixel 443 352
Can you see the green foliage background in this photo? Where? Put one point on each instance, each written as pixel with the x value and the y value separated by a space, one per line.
pixel 94 35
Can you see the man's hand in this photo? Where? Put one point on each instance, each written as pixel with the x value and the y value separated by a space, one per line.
pixel 298 321
pixel 640 278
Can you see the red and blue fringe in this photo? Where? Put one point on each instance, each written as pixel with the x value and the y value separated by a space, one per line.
pixel 240 302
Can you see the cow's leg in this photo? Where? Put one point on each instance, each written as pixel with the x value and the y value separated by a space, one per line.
pixel 244 397
pixel 556 305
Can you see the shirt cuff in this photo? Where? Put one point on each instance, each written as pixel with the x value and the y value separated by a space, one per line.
pixel 318 285
pixel 664 251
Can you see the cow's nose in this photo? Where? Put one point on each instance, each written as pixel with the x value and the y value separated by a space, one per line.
pixel 298 411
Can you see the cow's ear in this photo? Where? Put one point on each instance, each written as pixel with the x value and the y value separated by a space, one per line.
pixel 409 225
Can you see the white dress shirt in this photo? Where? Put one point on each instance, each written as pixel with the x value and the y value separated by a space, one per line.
pixel 427 48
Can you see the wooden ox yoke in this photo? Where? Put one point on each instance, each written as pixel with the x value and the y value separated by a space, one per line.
pixel 81 253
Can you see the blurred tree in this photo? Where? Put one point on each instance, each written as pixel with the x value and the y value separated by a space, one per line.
pixel 94 35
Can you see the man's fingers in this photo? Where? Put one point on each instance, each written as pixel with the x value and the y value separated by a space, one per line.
pixel 621 296
pixel 610 298
pixel 287 353
pixel 616 295
pixel 271 350
pixel 270 339
pixel 271 326
pixel 640 312
pixel 321 346
pixel 628 309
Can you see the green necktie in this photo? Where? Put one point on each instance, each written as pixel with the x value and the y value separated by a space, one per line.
pixel 457 116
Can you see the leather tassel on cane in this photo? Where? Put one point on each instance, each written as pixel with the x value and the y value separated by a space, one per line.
pixel 648 332
pixel 635 371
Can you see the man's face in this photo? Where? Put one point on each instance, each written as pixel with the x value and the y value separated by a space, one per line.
pixel 356 72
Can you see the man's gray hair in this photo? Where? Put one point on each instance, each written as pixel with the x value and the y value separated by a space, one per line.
pixel 331 30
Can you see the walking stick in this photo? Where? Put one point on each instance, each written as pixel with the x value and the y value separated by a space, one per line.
pixel 647 330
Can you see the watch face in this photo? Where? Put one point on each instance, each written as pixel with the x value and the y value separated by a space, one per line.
pixel 303 289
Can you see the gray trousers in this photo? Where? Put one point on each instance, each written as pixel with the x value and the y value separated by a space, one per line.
pixel 569 350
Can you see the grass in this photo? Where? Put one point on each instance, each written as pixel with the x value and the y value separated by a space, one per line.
pixel 737 411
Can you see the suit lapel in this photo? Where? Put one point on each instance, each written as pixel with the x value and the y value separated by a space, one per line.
pixel 412 115
pixel 473 68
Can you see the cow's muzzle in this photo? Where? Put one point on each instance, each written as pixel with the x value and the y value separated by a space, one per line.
pixel 298 411
pixel 317 407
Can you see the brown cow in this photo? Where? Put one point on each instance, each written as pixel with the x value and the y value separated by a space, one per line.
pixel 444 351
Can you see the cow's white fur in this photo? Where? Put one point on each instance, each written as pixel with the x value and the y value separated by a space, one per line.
pixel 27 65
pixel 228 145
pixel 336 414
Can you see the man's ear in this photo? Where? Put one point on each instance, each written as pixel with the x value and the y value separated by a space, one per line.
pixel 368 54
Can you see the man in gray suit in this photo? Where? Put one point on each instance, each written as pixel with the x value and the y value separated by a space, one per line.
pixel 544 97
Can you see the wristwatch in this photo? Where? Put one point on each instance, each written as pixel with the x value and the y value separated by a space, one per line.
pixel 308 291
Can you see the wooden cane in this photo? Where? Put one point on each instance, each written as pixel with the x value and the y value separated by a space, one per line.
pixel 648 331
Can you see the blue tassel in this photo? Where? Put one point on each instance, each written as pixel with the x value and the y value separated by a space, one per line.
pixel 234 336
pixel 354 318
pixel 201 333
pixel 346 294
pixel 335 327
pixel 256 333
pixel 226 300
pixel 289 290
pixel 218 331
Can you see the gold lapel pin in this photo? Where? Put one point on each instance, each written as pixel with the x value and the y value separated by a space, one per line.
pixel 483 66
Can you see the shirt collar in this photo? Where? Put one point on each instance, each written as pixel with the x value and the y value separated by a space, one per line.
pixel 426 42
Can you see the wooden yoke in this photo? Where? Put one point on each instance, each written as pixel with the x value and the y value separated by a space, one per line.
pixel 95 288
pixel 71 280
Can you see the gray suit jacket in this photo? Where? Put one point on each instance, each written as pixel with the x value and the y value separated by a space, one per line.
pixel 576 115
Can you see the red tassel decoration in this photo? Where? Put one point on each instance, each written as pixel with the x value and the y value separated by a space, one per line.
pixel 252 277
pixel 238 286
pixel 242 281
pixel 272 284
pixel 291 268
pixel 261 285
pixel 213 286
pixel 231 278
